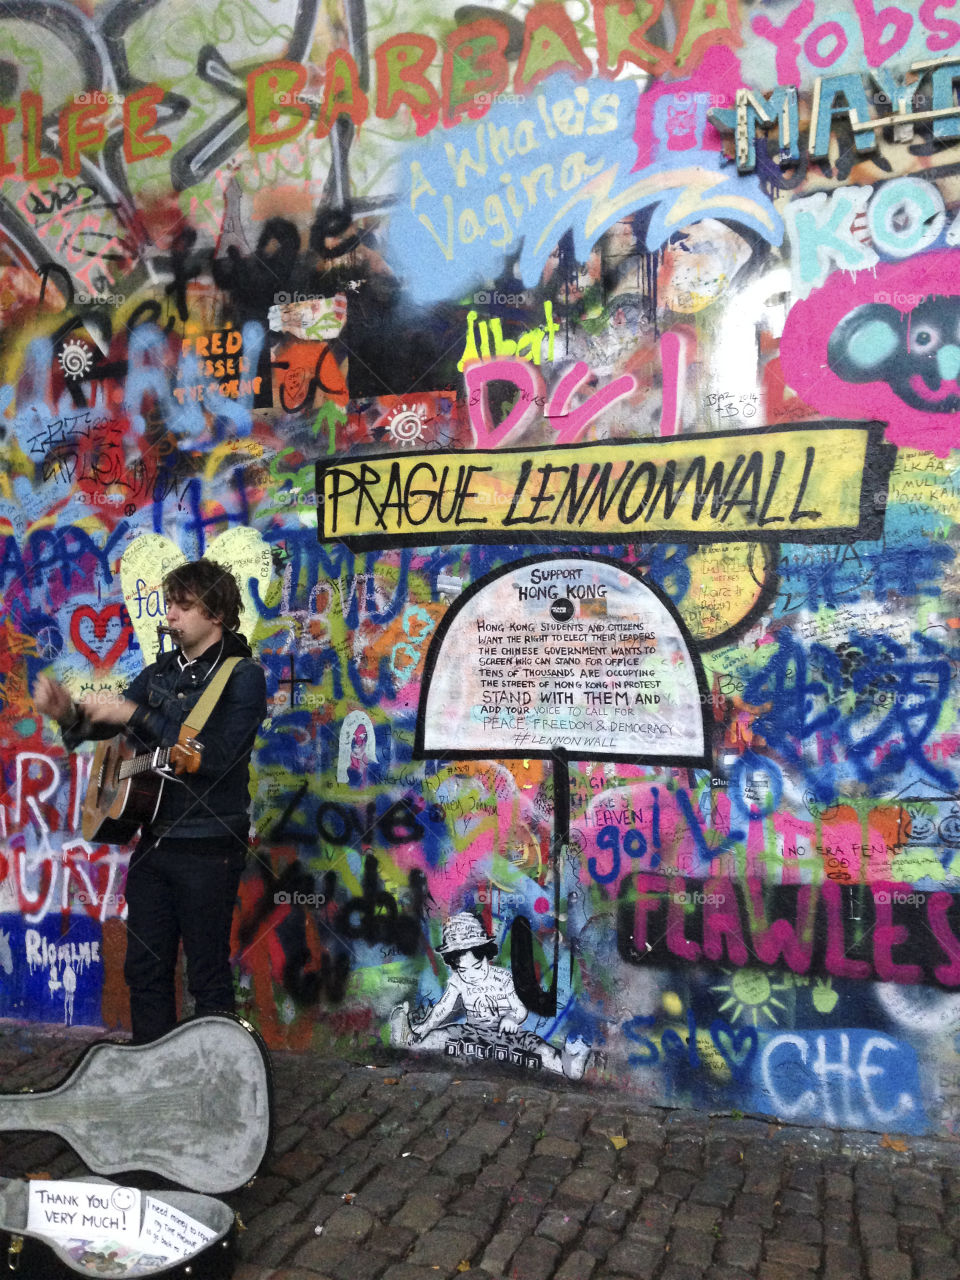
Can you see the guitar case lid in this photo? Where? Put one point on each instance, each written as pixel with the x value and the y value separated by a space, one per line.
pixel 195 1106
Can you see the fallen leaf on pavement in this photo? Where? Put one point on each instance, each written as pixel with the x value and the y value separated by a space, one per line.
pixel 893 1144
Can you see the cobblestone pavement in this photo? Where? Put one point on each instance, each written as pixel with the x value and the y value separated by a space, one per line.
pixel 405 1173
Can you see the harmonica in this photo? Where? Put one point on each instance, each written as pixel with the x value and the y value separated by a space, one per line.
pixel 162 631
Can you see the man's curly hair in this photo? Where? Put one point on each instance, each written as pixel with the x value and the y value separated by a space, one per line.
pixel 213 587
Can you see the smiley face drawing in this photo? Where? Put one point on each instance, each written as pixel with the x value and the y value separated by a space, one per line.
pixel 123 1199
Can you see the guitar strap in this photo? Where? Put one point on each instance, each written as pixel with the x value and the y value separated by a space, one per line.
pixel 199 715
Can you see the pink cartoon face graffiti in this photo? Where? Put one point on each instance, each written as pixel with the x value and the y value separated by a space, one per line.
pixel 883 344
pixel 916 353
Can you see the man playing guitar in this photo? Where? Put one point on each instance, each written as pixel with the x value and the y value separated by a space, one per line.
pixel 185 870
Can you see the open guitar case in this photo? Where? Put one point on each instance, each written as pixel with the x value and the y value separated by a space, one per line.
pixel 195 1107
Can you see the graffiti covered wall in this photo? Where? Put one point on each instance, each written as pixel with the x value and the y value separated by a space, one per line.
pixel 574 390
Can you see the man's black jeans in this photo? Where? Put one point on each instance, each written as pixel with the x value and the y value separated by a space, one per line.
pixel 179 889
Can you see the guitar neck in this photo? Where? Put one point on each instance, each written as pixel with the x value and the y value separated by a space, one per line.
pixel 145 763
pixel 20 1112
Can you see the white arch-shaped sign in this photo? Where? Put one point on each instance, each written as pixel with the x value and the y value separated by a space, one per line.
pixel 576 654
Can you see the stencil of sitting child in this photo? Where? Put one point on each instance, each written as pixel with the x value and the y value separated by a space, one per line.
pixel 487 998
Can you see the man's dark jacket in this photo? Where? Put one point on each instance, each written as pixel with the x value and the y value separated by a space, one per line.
pixel 214 801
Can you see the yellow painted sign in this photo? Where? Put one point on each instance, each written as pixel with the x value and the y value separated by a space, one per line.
pixel 807 481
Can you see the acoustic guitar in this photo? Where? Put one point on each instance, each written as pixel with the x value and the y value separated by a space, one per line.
pixel 124 789
pixel 194 1106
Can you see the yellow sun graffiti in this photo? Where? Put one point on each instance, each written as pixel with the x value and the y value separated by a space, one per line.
pixel 751 992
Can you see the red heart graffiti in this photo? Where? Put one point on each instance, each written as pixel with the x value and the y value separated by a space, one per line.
pixel 100 619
